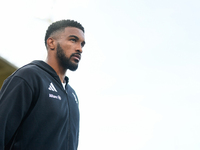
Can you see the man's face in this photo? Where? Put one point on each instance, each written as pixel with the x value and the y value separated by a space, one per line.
pixel 69 48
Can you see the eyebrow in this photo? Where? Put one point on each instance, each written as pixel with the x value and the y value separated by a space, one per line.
pixel 77 38
pixel 74 36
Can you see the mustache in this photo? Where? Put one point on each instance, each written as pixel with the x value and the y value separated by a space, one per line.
pixel 76 54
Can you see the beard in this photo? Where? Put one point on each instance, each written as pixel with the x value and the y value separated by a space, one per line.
pixel 65 61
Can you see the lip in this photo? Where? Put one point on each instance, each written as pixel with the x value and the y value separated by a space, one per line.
pixel 76 56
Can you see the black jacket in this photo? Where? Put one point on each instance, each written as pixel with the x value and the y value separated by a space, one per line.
pixel 36 113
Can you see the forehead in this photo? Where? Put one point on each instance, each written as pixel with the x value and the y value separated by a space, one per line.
pixel 74 31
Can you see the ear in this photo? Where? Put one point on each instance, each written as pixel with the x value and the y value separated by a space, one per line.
pixel 51 44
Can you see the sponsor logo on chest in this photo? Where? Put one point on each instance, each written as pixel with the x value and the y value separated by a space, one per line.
pixel 58 97
pixel 52 88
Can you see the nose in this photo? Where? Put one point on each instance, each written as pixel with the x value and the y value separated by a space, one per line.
pixel 79 48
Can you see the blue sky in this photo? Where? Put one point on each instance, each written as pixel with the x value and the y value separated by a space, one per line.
pixel 138 81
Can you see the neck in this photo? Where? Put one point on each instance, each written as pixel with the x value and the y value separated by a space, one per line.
pixel 59 70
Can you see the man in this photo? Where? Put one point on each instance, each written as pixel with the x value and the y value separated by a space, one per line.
pixel 38 108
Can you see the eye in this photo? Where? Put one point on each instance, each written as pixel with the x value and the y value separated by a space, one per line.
pixel 82 44
pixel 73 40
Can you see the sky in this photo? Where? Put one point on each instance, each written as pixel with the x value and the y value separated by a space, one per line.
pixel 138 80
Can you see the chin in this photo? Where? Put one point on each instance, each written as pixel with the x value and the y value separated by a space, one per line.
pixel 73 67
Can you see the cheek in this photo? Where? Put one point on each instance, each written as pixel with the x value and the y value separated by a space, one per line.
pixel 68 51
pixel 69 48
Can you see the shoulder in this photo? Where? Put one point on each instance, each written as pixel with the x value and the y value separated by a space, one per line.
pixel 28 72
pixel 21 77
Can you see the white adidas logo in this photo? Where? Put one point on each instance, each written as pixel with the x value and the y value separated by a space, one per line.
pixel 52 88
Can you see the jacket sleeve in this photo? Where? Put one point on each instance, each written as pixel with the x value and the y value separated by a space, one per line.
pixel 15 100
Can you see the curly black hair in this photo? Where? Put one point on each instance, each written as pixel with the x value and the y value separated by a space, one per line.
pixel 60 25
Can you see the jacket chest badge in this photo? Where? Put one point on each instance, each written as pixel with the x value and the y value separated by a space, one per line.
pixel 75 98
